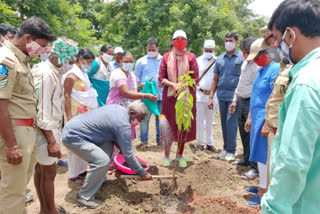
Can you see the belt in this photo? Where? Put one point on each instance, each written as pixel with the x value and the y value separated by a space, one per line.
pixel 24 122
pixel 244 99
pixel 274 130
pixel 206 92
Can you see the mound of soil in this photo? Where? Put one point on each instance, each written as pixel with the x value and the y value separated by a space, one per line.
pixel 207 185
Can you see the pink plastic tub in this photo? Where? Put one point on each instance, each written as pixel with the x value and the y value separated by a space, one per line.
pixel 119 160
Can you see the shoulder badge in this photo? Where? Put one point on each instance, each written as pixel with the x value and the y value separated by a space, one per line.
pixel 3 76
pixel 7 58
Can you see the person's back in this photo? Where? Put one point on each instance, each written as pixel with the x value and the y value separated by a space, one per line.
pixel 99 125
pixel 92 137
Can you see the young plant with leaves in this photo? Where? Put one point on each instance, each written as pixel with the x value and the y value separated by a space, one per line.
pixel 184 114
pixel 184 103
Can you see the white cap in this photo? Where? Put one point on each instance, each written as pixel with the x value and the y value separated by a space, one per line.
pixel 118 50
pixel 179 33
pixel 209 44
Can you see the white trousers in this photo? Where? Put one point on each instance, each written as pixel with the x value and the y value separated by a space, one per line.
pixel 76 165
pixel 204 123
pixel 262 175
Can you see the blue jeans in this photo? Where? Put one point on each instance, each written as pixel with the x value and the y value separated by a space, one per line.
pixel 144 125
pixel 229 123
pixel 98 157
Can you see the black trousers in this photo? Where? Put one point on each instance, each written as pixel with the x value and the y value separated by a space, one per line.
pixel 243 111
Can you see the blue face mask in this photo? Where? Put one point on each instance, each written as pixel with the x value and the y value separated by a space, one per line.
pixel 285 50
pixel 127 67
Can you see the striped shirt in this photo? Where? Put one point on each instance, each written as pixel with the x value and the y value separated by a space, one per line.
pixel 49 92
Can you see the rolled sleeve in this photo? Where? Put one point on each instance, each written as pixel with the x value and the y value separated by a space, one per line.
pixel 295 144
pixel 235 97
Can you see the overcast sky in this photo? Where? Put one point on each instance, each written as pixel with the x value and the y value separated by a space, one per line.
pixel 265 7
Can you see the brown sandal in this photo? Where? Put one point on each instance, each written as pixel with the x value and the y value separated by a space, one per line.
pixel 212 148
pixel 199 148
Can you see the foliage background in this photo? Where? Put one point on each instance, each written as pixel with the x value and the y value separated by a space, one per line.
pixel 129 23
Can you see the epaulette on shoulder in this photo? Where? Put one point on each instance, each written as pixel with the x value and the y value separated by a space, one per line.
pixel 7 58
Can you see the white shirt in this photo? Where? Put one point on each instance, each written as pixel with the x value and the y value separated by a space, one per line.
pixel 248 75
pixel 206 81
pixel 49 90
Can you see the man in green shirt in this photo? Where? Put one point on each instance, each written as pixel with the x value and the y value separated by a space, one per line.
pixel 295 153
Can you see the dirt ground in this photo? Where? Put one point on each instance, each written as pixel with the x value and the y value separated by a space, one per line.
pixel 207 185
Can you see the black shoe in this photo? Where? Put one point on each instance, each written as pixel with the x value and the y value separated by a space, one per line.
pixel 242 163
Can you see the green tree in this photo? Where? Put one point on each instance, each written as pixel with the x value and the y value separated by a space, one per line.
pixel 62 17
pixel 130 23
pixel 8 15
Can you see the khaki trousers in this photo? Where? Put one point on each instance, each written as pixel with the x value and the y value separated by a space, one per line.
pixel 270 139
pixel 15 178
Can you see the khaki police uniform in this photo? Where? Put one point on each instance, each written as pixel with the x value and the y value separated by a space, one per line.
pixel 17 86
pixel 280 86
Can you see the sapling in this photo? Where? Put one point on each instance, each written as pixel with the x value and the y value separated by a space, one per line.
pixel 184 114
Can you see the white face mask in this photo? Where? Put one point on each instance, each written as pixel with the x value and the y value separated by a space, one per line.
pixel 208 55
pixel 153 54
pixel 127 67
pixel 85 67
pixel 65 68
pixel 284 50
pixel 229 46
pixel 44 56
pixel 34 49
pixel 107 58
